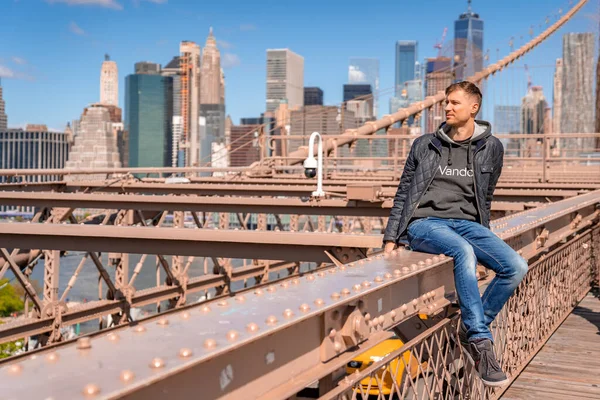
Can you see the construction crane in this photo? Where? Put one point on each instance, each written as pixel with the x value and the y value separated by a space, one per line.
pixel 440 44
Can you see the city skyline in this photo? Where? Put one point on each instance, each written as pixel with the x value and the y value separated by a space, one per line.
pixel 243 52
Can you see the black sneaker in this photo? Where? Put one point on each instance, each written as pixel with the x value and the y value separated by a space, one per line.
pixel 486 364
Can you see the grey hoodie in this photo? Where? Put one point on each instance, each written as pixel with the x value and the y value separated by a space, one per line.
pixel 452 193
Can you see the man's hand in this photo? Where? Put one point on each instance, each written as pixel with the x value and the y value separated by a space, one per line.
pixel 389 246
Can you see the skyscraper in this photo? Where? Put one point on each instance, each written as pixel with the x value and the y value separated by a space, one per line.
pixel 406 60
pixel 210 72
pixel 145 67
pixel 173 70
pixel 366 71
pixel 148 119
pixel 3 117
pixel 557 96
pixel 352 91
pixel 533 110
pixel 285 79
pixel 212 98
pixel 437 79
pixel 313 96
pixel 507 119
pixel 189 64
pixel 95 145
pixel 577 113
pixel 468 44
pixel 109 82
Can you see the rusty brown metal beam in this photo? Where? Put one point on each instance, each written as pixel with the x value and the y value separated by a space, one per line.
pixel 368 207
pixel 297 246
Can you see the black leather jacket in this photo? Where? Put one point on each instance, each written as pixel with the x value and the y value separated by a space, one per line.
pixel 420 169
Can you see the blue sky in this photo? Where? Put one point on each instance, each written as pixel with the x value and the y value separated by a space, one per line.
pixel 51 50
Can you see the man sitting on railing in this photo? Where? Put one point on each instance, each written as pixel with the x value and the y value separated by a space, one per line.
pixel 443 206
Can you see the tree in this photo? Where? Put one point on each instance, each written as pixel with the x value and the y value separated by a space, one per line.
pixel 9 299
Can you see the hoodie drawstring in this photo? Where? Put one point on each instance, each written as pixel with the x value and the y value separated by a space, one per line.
pixel 469 164
pixel 449 154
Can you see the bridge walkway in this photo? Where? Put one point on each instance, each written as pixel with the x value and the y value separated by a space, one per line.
pixel 568 366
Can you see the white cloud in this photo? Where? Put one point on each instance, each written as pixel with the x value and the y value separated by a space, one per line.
pixel 247 27
pixel 224 44
pixel 6 72
pixel 230 60
pixel 73 27
pixel 113 4
pixel 18 60
pixel 355 75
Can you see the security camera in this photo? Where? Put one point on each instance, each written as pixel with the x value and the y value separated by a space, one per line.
pixel 310 172
pixel 310 167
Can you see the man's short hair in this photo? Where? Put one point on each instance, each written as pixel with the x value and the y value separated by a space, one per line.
pixel 467 87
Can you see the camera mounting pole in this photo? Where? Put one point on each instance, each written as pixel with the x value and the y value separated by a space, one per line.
pixel 310 164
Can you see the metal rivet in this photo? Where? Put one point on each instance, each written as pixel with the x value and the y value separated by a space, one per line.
pixel 232 335
pixel 240 298
pixel 185 352
pixel 421 263
pixel 406 270
pixel 15 369
pixel 205 309
pixel 91 390
pixel 403 308
pixel 271 289
pixel 413 266
pixel 332 333
pixel 342 267
pixel 332 270
pixel 335 295
pixel 139 329
pixel 436 259
pixel 319 302
pixel 157 363
pixel 367 317
pixel 258 292
pixel 429 261
pixel 393 314
pixel 284 285
pixel 310 277
pixel 387 275
pixel 415 302
pixel 185 315
pixel 337 346
pixel 397 272
pixel 361 262
pixel 378 279
pixel 304 307
pixel 223 303
pixel 271 320
pixel 84 343
pixel 163 322
pixel 113 337
pixel 321 274
pixel 356 287
pixel 52 357
pixel 295 281
pixel 210 344
pixel 366 284
pixel 345 292
pixel 252 327
pixel 287 313
pixel 127 376
pixel 351 264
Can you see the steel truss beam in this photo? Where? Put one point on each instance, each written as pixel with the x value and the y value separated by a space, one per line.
pixel 269 205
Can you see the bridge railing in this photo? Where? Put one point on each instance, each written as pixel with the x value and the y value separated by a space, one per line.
pixel 311 327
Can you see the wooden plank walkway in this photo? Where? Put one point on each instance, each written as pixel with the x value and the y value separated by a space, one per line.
pixel 568 366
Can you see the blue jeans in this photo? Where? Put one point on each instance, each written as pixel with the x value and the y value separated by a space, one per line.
pixel 469 242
